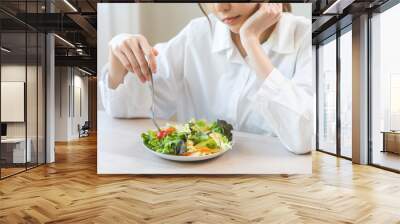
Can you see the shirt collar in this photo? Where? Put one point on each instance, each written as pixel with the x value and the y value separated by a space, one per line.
pixel 222 42
pixel 281 40
pixel 222 37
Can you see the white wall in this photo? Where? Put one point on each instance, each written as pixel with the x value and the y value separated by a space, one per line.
pixel 33 126
pixel 61 103
pixel 302 9
pixel 81 84
pixel 17 73
pixel 13 99
pixel 14 73
pixel 67 116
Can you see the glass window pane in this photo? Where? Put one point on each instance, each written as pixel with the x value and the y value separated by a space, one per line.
pixel 41 98
pixel 13 86
pixel 31 97
pixel 22 87
pixel 386 89
pixel 32 87
pixel 346 94
pixel 327 97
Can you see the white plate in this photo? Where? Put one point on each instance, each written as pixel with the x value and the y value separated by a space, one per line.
pixel 187 158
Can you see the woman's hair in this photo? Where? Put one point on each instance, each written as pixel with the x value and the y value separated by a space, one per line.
pixel 286 7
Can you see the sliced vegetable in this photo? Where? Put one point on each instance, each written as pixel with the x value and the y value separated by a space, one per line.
pixel 194 138
pixel 180 148
pixel 223 127
pixel 210 143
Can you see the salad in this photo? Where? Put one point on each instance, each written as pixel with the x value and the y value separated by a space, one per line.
pixel 195 138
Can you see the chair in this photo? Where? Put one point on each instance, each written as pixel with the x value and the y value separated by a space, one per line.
pixel 84 130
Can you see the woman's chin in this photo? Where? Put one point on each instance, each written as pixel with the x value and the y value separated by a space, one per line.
pixel 235 29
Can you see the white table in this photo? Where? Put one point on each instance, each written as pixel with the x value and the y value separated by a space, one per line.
pixel 19 155
pixel 120 151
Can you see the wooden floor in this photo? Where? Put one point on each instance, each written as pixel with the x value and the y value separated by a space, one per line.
pixel 70 191
pixel 387 159
pixel 10 171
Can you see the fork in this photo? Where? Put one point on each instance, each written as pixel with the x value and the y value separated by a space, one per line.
pixel 152 101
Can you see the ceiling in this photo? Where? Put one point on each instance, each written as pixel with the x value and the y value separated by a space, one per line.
pixel 330 16
pixel 76 22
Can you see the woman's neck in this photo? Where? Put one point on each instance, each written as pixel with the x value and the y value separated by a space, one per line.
pixel 263 37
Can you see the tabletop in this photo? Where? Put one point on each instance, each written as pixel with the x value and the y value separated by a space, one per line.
pixel 14 140
pixel 120 151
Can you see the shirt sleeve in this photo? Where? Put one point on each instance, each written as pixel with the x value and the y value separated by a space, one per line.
pixel 132 99
pixel 287 104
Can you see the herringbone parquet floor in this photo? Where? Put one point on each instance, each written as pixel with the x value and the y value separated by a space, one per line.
pixel 70 191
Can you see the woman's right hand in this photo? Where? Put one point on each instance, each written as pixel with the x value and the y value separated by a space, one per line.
pixel 134 54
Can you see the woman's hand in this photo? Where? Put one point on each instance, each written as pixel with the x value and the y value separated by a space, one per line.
pixel 250 33
pixel 131 53
pixel 265 17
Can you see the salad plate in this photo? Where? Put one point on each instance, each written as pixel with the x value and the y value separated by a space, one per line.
pixel 196 140
pixel 186 158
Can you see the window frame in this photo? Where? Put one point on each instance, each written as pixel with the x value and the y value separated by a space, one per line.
pixel 334 37
pixel 379 10
pixel 26 30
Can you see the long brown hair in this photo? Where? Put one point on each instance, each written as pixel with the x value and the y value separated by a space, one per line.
pixel 286 7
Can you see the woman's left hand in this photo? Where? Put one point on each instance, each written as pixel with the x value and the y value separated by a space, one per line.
pixel 266 16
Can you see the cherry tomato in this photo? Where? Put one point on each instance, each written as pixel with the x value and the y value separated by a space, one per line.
pixel 161 134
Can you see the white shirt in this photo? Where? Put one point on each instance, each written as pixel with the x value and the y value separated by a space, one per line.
pixel 202 75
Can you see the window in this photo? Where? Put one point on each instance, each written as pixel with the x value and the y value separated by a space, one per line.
pixel 385 89
pixel 394 101
pixel 327 97
pixel 346 94
pixel 14 155
pixel 22 77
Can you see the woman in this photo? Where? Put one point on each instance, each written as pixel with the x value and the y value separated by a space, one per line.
pixel 246 63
